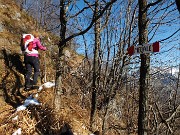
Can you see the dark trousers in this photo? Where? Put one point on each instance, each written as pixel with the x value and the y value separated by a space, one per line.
pixel 31 62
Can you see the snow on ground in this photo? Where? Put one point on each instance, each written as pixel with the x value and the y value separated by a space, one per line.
pixel 33 101
pixel 46 85
pixel 17 132
pixel 29 101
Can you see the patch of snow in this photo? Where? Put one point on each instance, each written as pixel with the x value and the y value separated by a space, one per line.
pixel 49 84
pixel 40 88
pixel 15 118
pixel 17 132
pixel 36 95
pixel 29 101
pixel 46 85
pixel 20 108
pixel 84 127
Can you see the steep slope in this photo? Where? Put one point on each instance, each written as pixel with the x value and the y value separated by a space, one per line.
pixel 35 119
pixel 13 23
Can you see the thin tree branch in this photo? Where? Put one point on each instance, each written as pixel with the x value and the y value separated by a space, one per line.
pixel 92 22
pixel 173 115
pixel 170 36
pixel 162 119
pixel 152 4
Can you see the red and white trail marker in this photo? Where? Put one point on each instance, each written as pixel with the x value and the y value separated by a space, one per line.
pixel 142 49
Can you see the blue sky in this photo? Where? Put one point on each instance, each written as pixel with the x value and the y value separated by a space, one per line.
pixel 169 51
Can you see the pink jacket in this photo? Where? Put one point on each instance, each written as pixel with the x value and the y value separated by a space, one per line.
pixel 37 45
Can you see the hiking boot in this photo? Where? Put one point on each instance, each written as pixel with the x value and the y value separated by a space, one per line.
pixel 35 87
pixel 28 87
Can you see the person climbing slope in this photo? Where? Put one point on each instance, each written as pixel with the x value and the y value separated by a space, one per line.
pixel 31 45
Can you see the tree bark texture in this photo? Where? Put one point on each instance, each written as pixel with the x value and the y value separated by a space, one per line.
pixel 144 70
pixel 95 68
pixel 62 44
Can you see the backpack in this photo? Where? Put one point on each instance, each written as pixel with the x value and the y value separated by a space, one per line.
pixel 27 44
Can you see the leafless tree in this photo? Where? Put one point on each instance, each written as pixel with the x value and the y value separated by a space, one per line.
pixel 113 76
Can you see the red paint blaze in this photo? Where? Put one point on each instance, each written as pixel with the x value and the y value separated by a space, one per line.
pixel 156 47
pixel 130 50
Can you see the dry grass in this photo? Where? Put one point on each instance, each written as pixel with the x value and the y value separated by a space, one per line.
pixel 42 119
pixel 74 115
pixel 23 121
pixel 35 119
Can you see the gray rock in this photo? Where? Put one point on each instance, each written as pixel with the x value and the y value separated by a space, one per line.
pixel 1 27
pixel 16 16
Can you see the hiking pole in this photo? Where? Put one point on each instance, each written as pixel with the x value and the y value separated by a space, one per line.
pixel 44 55
pixel 44 64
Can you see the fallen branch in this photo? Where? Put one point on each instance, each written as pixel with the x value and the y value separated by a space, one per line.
pixel 163 120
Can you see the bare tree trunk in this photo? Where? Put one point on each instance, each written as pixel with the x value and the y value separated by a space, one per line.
pixel 62 43
pixel 95 67
pixel 59 67
pixel 144 70
pixel 178 5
